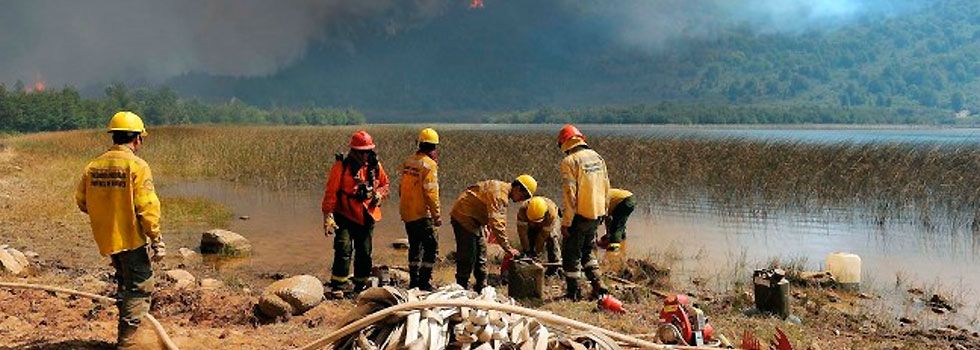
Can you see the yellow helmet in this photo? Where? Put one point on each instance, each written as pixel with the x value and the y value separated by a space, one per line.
pixel 429 135
pixel 529 183
pixel 536 208
pixel 127 121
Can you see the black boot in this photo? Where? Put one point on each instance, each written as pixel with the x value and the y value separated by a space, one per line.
pixel 425 279
pixel 413 277
pixel 598 289
pixel 572 291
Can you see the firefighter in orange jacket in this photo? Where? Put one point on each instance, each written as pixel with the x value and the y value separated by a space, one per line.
pixel 351 205
pixel 116 191
pixel 585 189
pixel 483 207
pixel 419 200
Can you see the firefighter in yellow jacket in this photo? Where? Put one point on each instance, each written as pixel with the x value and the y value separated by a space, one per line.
pixel 621 205
pixel 585 188
pixel 537 227
pixel 483 207
pixel 419 192
pixel 116 191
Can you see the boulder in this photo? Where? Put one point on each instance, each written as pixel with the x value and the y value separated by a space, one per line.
pixel 185 253
pixel 400 243
pixel 291 296
pixel 211 284
pixel 224 242
pixel 10 264
pixel 20 257
pixel 180 278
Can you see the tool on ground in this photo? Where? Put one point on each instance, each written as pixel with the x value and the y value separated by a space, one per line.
pixel 683 323
pixel 610 303
pixel 771 292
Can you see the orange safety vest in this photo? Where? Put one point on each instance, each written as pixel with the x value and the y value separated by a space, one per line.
pixel 339 196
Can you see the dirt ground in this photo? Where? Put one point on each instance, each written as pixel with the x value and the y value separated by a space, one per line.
pixel 37 217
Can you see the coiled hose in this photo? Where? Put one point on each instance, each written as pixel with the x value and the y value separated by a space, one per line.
pixel 545 317
pixel 157 327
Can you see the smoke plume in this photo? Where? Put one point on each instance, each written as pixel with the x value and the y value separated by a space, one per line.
pixel 97 41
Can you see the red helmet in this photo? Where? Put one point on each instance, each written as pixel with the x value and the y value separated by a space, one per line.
pixel 361 141
pixel 567 132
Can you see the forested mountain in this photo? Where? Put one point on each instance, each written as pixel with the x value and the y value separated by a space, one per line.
pixel 922 62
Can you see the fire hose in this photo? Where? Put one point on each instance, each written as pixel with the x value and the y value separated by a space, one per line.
pixel 157 327
pixel 545 317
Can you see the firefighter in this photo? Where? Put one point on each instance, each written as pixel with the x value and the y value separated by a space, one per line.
pixel 483 207
pixel 585 188
pixel 419 193
pixel 116 191
pixel 621 205
pixel 537 227
pixel 351 206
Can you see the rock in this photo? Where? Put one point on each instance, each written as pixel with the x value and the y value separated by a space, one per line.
pixel 814 278
pixel 244 217
pixel 180 278
pixel 401 243
pixel 10 264
pixel 224 242
pixel 186 253
pixel 31 255
pixel 908 320
pixel 915 291
pixel 211 284
pixel 20 257
pixel 939 301
pixel 959 347
pixel 939 311
pixel 864 296
pixel 399 276
pixel 291 296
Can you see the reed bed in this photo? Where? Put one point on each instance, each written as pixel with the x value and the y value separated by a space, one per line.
pixel 886 179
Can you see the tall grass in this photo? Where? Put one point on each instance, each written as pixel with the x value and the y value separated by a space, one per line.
pixel 885 178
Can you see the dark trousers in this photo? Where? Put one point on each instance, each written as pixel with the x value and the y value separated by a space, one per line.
pixel 471 256
pixel 422 251
pixel 577 249
pixel 134 283
pixel 550 245
pixel 616 227
pixel 352 239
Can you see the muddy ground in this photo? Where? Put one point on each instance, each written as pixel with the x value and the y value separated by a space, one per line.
pixel 37 216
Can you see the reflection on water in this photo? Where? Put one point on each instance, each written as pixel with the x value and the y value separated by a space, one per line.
pixel 285 231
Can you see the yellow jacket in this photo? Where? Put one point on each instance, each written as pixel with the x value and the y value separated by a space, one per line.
pixel 617 196
pixel 547 225
pixel 484 204
pixel 117 192
pixel 585 185
pixel 419 188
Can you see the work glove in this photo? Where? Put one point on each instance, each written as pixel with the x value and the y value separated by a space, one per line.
pixel 329 225
pixel 564 231
pixel 159 250
pixel 437 221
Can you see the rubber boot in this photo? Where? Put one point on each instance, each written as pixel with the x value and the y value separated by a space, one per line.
pixel 360 287
pixel 413 277
pixel 598 289
pixel 337 289
pixel 131 313
pixel 425 279
pixel 572 291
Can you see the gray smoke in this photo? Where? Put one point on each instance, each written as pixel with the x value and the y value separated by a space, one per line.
pixel 82 42
pixel 97 41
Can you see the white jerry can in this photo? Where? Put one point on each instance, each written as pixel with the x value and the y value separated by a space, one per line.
pixel 845 267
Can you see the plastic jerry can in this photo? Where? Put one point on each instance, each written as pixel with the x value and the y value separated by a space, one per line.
pixel 846 268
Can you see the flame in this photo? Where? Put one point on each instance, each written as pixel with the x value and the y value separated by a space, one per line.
pixel 476 4
pixel 38 86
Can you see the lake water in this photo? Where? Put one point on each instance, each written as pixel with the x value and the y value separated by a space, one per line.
pixel 702 241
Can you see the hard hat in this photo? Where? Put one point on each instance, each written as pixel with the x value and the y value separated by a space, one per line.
pixel 536 208
pixel 127 121
pixel 567 132
pixel 361 141
pixel 529 183
pixel 429 135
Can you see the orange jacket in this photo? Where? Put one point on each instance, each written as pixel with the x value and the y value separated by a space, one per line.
pixel 341 187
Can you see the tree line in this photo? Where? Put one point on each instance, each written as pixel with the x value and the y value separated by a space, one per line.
pixel 22 110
